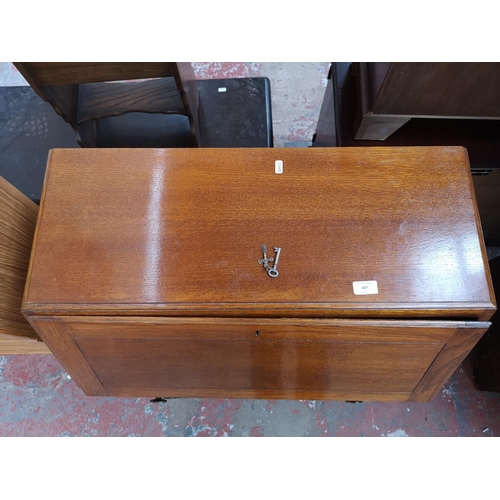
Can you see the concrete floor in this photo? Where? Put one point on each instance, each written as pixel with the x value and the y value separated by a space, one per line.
pixel 38 398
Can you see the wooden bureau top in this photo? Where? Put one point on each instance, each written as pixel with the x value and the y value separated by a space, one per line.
pixel 179 232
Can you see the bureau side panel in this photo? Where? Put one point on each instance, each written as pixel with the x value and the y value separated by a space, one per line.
pixel 272 359
pixel 453 353
pixel 55 335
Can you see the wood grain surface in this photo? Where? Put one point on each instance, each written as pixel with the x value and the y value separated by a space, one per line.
pixel 69 73
pixel 179 232
pixel 454 352
pixel 18 216
pixel 266 357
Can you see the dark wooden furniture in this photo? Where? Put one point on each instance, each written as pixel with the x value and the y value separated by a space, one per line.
pixel 95 98
pixel 144 277
pixel 393 93
pixel 341 113
pixel 487 189
pixel 17 226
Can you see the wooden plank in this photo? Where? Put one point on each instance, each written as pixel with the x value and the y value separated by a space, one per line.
pixel 23 346
pixel 69 73
pixel 16 203
pixel 18 215
pixel 99 100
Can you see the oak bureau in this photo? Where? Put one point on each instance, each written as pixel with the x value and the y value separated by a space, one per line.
pixel 318 273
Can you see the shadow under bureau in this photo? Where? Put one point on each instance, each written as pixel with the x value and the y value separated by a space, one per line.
pixel 329 273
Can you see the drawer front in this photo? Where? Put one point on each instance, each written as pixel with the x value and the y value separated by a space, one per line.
pixel 256 368
pixel 273 359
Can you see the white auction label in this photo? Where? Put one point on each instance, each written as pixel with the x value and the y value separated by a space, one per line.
pixel 278 166
pixel 365 287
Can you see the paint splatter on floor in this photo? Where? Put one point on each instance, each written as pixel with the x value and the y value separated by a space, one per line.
pixel 38 398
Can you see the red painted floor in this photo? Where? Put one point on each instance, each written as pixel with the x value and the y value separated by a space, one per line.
pixel 37 398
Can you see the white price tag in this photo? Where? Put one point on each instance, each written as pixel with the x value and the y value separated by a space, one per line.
pixel 278 166
pixel 365 287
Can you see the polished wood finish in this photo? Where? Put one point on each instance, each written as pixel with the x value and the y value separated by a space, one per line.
pixel 258 357
pixel 77 93
pixel 294 358
pixel 144 270
pixel 391 94
pixel 17 226
pixel 180 232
